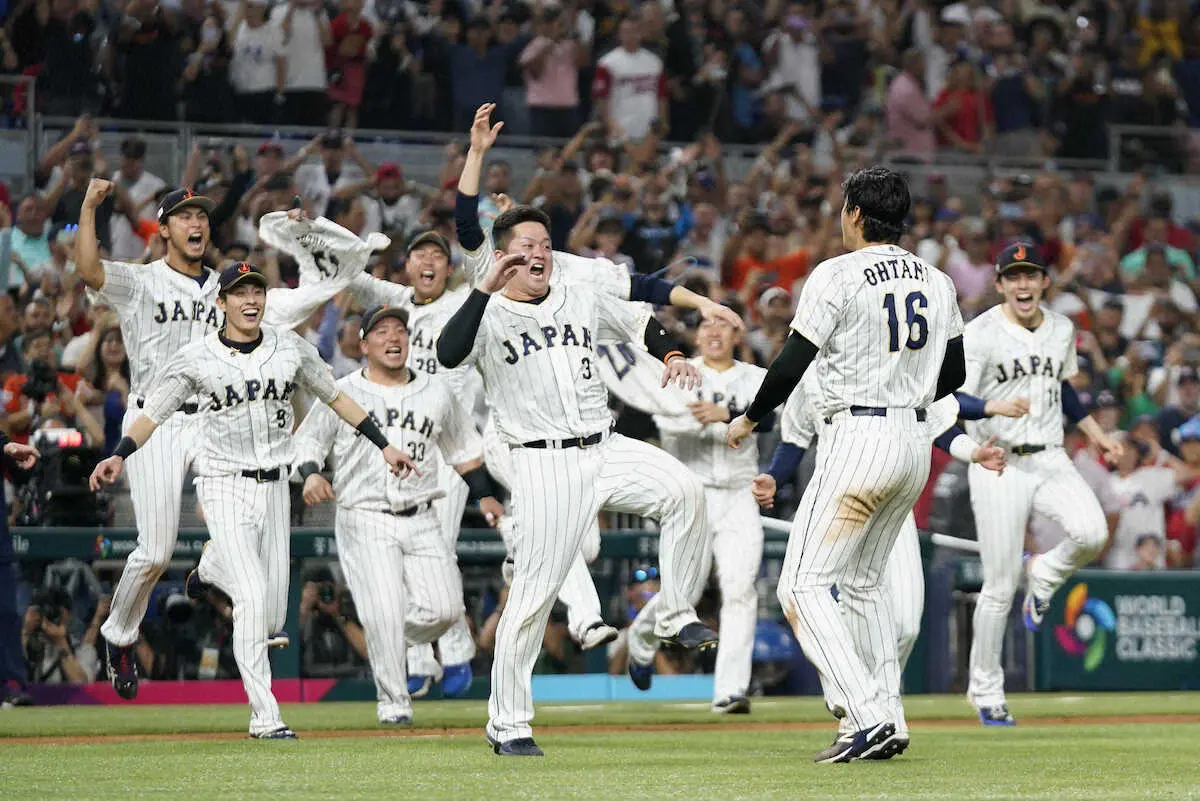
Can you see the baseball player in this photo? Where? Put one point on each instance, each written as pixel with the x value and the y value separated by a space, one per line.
pixel 245 374
pixel 534 344
pixel 883 331
pixel 1021 349
pixel 163 306
pixel 385 531
pixel 693 431
pixel 903 578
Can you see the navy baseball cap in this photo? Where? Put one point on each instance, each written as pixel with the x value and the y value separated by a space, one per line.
pixel 1020 254
pixel 427 237
pixel 240 273
pixel 375 314
pixel 180 199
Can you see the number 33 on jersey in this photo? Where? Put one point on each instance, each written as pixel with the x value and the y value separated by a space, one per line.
pixel 882 318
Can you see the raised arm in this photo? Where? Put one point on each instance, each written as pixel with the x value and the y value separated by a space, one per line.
pixel 87 246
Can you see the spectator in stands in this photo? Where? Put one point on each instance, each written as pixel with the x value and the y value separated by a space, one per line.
pixel 316 182
pixel 52 655
pixel 67 76
pixel 793 54
pixel 477 70
pixel 146 60
pixel 346 60
pixel 1158 32
pixel 1185 407
pixel 104 388
pixel 966 117
pixel 29 243
pixel 651 238
pixel 205 78
pixel 257 68
pixel 630 87
pixel 66 197
pixel 775 314
pixel 140 186
pixel 1143 490
pixel 304 29
pixel 190 639
pixel 550 64
pixel 395 207
pixel 910 116
pixel 1081 110
pixel 11 361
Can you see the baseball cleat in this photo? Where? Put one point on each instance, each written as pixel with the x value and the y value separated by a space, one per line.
pixel 599 633
pixel 641 675
pixel 396 720
pixel 419 686
pixel 1034 611
pixel 895 745
pixel 282 733
pixel 997 715
pixel 864 744
pixel 279 640
pixel 122 670
pixel 456 680
pixel 520 747
pixel 693 637
pixel 733 705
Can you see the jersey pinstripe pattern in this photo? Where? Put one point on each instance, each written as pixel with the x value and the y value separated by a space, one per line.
pixel 425 420
pixel 1005 360
pixel 248 419
pixel 881 319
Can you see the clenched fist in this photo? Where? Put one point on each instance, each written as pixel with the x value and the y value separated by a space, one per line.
pixel 97 190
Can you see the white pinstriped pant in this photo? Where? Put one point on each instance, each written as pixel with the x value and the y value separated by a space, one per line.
pixel 869 473
pixel 560 492
pixel 737 544
pixel 578 593
pixel 249 524
pixel 1048 483
pixel 904 580
pixel 406 587
pixel 156 473
pixel 457 645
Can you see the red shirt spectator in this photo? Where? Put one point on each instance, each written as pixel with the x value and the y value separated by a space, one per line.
pixel 967 116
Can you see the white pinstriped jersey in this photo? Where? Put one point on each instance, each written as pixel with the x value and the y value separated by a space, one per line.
pixel 635 378
pixel 246 398
pixel 881 319
pixel 798 421
pixel 701 447
pixel 422 418
pixel 601 274
pixel 538 361
pixel 1006 360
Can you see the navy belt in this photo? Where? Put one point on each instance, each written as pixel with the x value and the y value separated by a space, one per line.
pixel 263 476
pixel 1027 450
pixel 187 408
pixel 410 511
pixel 574 442
pixel 875 411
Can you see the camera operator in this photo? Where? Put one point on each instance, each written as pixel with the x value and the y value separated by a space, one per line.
pixel 192 639
pixel 332 637
pixel 50 655
pixel 43 398
pixel 15 460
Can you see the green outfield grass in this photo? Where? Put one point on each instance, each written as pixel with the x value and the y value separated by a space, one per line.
pixel 708 758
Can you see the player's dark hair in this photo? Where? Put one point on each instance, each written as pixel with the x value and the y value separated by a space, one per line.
pixel 882 197
pixel 502 228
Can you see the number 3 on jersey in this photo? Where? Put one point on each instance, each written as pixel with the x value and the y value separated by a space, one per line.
pixel 915 323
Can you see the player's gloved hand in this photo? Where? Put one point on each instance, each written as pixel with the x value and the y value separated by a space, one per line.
pixel 739 428
pixel 317 489
pixel 483 133
pixel 1017 407
pixel 682 373
pixel 25 456
pixel 502 272
pixel 107 472
pixel 706 412
pixel 715 311
pixel 399 462
pixel 763 490
pixel 990 456
pixel 97 190
pixel 492 510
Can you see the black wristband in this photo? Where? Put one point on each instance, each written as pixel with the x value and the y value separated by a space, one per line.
pixel 370 430
pixel 309 469
pixel 479 484
pixel 125 447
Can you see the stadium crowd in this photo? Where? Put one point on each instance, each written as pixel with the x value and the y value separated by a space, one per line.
pixel 817 86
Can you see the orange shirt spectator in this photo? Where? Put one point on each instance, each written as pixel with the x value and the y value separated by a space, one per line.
pixel 781 271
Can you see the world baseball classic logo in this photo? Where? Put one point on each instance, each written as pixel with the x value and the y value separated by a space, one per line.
pixel 1086 625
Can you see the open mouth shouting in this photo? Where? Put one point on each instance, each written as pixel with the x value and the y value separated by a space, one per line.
pixel 252 313
pixel 537 268
pixel 1025 302
pixel 195 242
